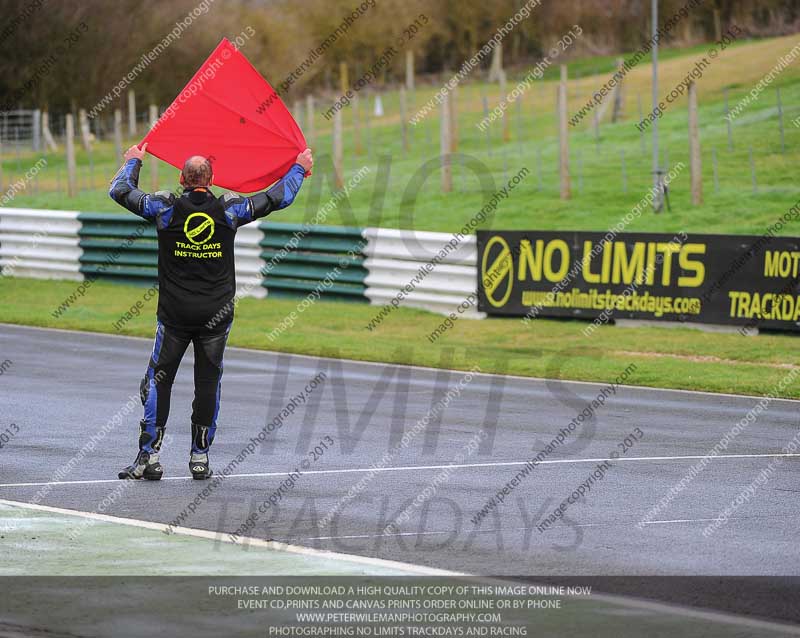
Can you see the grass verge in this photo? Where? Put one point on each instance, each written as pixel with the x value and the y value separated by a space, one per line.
pixel 679 358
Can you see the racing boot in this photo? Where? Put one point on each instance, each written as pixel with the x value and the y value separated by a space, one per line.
pixel 202 437
pixel 198 466
pixel 146 466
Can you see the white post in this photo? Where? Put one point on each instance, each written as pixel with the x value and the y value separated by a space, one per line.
pixel 71 169
pixel 338 169
pixel 446 145
pixel 403 118
pixel 49 141
pixel 496 68
pixel 83 125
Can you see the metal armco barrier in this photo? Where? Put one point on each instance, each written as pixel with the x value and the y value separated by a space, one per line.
pixel 39 243
pixel 397 260
pixel 369 265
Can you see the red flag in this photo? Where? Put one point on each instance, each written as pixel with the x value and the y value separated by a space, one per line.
pixel 229 113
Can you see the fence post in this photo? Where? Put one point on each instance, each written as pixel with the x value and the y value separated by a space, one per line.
pixel 411 109
pixel 619 93
pixel 118 134
pixel 780 121
pixel 36 137
pixel 409 70
pixel 496 68
pixel 446 145
pixel 641 133
pixel 132 113
pixel 83 125
pixel 454 119
pixel 47 134
pixel 96 123
pixel 16 150
pixel 563 132
pixel 357 124
pixel 728 120
pixel 91 170
pixel 695 161
pixel 485 102
pixel 367 126
pixel 337 150
pixel 344 80
pixel 152 115
pixel 403 118
pixel 70 142
pixel 503 92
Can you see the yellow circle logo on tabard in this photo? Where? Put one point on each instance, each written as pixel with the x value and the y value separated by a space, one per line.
pixel 199 228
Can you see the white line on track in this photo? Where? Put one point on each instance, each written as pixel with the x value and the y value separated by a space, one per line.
pixel 416 468
pixel 434 533
pixel 525 529
pixel 694 520
pixel 622 601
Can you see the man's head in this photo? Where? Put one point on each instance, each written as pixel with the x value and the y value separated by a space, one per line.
pixel 197 172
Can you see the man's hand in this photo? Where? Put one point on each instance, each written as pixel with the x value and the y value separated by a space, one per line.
pixel 306 160
pixel 134 152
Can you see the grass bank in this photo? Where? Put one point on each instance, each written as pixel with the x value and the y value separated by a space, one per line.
pixel 678 358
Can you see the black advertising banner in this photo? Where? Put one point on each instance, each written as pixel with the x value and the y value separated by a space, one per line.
pixel 720 279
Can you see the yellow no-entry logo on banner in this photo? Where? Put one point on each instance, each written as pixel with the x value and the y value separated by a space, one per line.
pixel 500 273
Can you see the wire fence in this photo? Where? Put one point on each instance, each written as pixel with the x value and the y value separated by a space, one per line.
pixel 737 153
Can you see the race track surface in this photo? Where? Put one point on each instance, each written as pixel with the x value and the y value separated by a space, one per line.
pixel 62 388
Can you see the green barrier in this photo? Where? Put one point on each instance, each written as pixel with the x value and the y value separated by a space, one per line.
pixel 285 287
pixel 298 259
pixel 324 259
pixel 312 258
pixel 120 248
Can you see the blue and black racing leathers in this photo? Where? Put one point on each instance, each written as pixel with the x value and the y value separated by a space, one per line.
pixel 197 286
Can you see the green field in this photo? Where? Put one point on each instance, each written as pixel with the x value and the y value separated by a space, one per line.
pixel 599 194
pixel 664 357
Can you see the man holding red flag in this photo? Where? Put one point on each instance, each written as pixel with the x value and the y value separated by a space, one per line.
pixel 196 280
